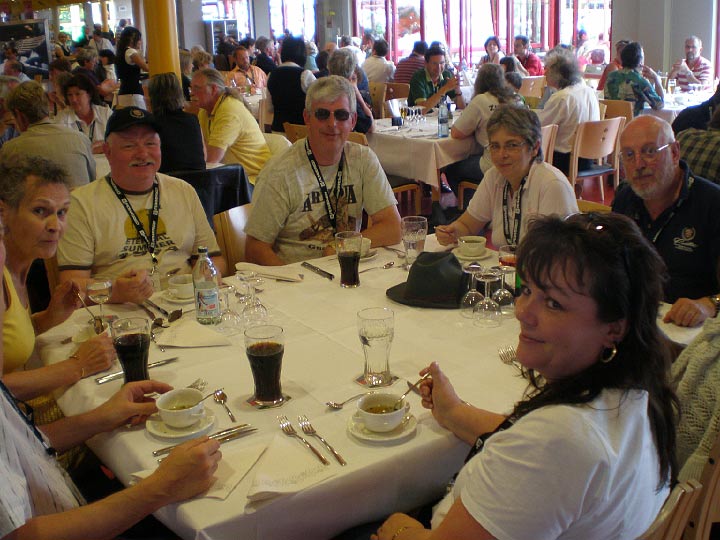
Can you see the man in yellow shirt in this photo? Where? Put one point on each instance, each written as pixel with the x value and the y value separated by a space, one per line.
pixel 230 132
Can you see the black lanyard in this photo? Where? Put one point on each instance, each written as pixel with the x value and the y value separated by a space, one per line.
pixel 30 424
pixel 512 237
pixel 91 126
pixel 337 190
pixel 151 242
pixel 671 214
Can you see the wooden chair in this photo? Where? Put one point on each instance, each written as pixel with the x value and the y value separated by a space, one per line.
pixel 602 108
pixel 549 134
pixel 618 107
pixel 230 233
pixel 377 95
pixel 276 143
pixel 532 86
pixel 707 508
pixel 396 91
pixel 293 132
pixel 265 114
pixel 670 522
pixel 597 140
pixel 590 206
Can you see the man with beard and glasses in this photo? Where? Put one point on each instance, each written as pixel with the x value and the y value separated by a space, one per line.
pixel 677 211
pixel 135 224
pixel 320 186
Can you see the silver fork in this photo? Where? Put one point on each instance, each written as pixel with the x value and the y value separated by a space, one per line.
pixel 289 430
pixel 308 429
pixel 508 356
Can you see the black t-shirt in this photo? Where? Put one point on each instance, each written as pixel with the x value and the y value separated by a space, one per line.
pixel 687 235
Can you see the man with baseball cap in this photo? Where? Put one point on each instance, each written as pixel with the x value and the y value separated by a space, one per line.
pixel 135 224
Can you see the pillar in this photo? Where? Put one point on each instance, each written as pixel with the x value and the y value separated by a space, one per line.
pixel 162 43
pixel 104 15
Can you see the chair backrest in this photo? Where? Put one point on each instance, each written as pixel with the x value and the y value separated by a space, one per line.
pixel 358 138
pixel 377 95
pixel 618 107
pixel 532 86
pixel 230 233
pixel 265 114
pixel 673 516
pixel 549 133
pixel 602 108
pixel 707 508
pixel 276 142
pixel 591 206
pixel 595 140
pixel 397 91
pixel 294 131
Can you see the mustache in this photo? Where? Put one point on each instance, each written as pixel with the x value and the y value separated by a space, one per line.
pixel 142 163
pixel 644 171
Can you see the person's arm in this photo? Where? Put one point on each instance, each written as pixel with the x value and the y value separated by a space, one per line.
pixel 259 252
pixel 654 79
pixel 139 61
pixel 520 68
pixel 133 286
pixel 385 228
pixel 457 525
pixel 465 225
pixel 455 133
pixel 188 471
pixel 214 154
pixel 450 84
pixel 690 312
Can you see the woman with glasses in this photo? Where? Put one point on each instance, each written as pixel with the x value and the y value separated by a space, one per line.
pixel 86 110
pixel 519 185
pixel 589 450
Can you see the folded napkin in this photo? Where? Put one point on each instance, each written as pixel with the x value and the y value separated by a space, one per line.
pixel 287 466
pixel 271 272
pixel 231 470
pixel 190 333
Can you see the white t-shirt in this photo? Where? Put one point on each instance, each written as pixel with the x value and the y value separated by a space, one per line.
pixel 100 236
pixel 567 108
pixel 378 69
pixel 547 191
pixel 95 131
pixel 289 210
pixel 474 118
pixel 32 482
pixel 585 472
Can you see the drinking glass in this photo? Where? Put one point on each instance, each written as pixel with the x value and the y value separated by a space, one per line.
pixel 253 312
pixel 230 320
pixel 487 312
pixel 473 296
pixel 503 297
pixel 348 245
pixel 414 231
pixel 99 291
pixel 131 338
pixel 376 329
pixel 264 347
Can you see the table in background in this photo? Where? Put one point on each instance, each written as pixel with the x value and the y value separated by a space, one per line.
pixel 415 151
pixel 676 103
pixel 322 356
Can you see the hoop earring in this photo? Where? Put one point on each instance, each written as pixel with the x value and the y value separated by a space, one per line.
pixel 607 358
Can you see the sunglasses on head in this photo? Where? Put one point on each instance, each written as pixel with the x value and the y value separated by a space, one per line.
pixel 341 115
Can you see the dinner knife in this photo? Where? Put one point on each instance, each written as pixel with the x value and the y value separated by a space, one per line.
pixel 118 374
pixel 222 436
pixel 318 271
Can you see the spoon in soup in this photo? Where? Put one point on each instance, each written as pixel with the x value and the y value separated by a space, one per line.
pixel 398 403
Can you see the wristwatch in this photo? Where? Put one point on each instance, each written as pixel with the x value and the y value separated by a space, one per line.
pixel 715 299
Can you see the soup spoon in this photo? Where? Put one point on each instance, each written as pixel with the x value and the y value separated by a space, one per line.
pixel 398 403
pixel 221 398
pixel 337 406
pixel 383 267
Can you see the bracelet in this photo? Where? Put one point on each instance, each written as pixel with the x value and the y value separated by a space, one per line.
pixel 82 368
pixel 401 529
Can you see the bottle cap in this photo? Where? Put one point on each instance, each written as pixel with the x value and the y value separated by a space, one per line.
pixel 202 249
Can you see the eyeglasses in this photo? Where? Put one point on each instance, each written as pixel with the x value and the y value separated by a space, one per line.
pixel 341 115
pixel 513 147
pixel 648 153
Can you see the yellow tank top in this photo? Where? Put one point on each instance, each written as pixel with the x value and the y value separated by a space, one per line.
pixel 18 331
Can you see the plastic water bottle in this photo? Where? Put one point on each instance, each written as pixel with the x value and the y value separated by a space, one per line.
pixel 443 119
pixel 207 298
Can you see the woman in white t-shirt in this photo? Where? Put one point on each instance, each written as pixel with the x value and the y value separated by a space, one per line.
pixel 128 65
pixel 589 452
pixel 519 185
pixel 86 110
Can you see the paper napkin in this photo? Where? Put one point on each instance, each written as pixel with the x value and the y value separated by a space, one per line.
pixel 190 333
pixel 270 272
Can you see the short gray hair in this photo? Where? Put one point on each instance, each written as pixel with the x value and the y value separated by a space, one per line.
pixel 28 98
pixel 563 66
pixel 342 62
pixel 519 121
pixel 15 172
pixel 85 55
pixel 214 78
pixel 330 88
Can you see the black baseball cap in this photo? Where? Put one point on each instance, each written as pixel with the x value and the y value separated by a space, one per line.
pixel 125 118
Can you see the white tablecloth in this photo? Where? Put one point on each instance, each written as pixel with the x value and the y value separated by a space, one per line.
pixel 322 356
pixel 415 151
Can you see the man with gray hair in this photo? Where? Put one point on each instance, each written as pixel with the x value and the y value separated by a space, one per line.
pixel 40 136
pixel 320 186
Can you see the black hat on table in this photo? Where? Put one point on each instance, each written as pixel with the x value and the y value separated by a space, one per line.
pixel 436 280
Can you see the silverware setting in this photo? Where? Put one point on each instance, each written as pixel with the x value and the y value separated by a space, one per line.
pixel 172 316
pixel 508 355
pixel 317 270
pixel 289 430
pixel 119 374
pixel 98 324
pixel 308 429
pixel 383 267
pixel 400 253
pixel 221 397
pixel 412 387
pixel 337 406
pixel 221 436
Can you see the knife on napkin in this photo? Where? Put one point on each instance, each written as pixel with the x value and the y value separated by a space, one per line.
pixel 223 436
pixel 318 271
pixel 118 374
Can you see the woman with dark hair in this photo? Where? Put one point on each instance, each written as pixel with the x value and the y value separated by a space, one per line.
pixel 509 64
pixel 129 63
pixel 491 91
pixel 288 84
pixel 181 143
pixel 518 186
pixel 493 52
pixel 86 110
pixel 644 83
pixel 593 439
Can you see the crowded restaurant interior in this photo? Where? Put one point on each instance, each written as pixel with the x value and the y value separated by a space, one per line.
pixel 485 230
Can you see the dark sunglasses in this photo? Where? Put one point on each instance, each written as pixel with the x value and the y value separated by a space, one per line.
pixel 341 115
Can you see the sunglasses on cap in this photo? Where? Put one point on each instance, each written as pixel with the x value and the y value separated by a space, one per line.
pixel 341 115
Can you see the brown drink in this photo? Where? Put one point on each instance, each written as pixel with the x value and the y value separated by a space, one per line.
pixel 266 362
pixel 349 266
pixel 508 260
pixel 132 351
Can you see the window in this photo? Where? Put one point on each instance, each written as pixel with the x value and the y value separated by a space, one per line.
pixel 297 16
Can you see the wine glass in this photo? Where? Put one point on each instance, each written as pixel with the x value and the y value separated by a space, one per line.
pixel 230 320
pixel 487 312
pixel 254 311
pixel 503 297
pixel 473 296
pixel 99 291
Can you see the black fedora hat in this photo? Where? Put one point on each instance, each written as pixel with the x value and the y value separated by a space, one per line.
pixel 436 280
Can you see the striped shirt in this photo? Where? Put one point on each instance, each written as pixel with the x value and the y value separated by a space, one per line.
pixel 702 72
pixel 701 150
pixel 407 67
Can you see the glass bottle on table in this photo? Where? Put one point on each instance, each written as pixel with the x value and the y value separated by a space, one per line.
pixel 205 281
pixel 443 119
